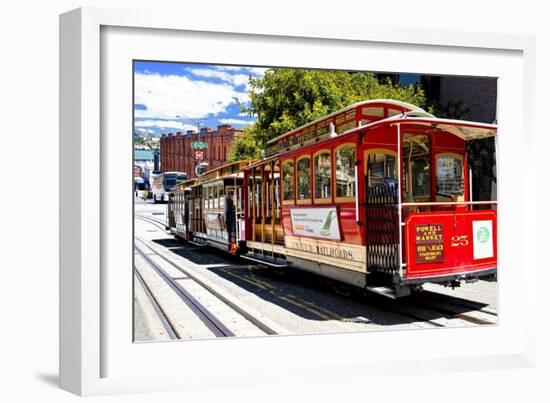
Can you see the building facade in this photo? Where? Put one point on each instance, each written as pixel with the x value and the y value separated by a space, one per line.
pixel 177 153
pixel 144 164
pixel 467 98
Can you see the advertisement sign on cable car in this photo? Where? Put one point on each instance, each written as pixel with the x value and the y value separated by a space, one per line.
pixel 315 222
pixel 482 232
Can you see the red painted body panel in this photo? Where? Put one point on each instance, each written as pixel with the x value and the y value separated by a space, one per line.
pixel 458 241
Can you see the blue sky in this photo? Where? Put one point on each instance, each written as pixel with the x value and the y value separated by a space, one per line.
pixel 171 97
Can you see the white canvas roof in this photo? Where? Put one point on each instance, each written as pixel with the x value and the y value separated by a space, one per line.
pixel 461 128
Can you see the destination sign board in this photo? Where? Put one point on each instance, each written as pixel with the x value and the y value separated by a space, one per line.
pixel 314 132
pixel 429 243
pixel 302 137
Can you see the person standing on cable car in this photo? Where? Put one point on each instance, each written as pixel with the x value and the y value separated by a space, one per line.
pixel 230 220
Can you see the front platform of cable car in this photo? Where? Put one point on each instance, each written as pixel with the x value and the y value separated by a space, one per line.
pixel 420 221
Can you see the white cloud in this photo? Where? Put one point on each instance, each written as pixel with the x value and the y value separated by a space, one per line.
pixel 164 124
pixel 235 79
pixel 256 71
pixel 166 97
pixel 245 114
pixel 142 130
pixel 230 68
pixel 236 122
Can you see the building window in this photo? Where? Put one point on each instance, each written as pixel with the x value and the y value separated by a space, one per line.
pixel 323 183
pixel 344 159
pixel 288 180
pixel 303 174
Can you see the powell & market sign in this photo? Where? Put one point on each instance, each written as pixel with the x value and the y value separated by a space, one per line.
pixel 429 246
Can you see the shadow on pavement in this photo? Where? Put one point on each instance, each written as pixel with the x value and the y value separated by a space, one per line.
pixel 316 298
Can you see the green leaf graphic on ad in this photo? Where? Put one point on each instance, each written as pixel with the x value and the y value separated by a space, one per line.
pixel 325 231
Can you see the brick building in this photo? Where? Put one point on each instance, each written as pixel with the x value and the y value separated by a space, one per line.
pixel 176 153
pixel 474 98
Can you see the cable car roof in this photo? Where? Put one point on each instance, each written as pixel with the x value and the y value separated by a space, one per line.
pixel 185 184
pixel 461 128
pixel 230 165
pixel 262 162
pixel 388 102
pixel 235 175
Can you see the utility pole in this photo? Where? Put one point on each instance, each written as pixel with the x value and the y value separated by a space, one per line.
pixel 198 123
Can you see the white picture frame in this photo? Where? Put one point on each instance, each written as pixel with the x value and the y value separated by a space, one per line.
pixel 93 326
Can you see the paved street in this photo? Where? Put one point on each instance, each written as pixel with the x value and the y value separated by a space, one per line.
pixel 209 294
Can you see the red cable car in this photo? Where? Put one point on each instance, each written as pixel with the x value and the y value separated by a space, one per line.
pixel 376 195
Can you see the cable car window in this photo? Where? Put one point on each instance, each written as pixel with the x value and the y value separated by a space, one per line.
pixel 277 194
pixel 381 168
pixel 249 214
pixel 288 180
pixel 211 197
pixel 303 172
pixel 267 189
pixel 221 196
pixel 344 158
pixel 258 193
pixel 450 175
pixel 321 163
pixel 420 170
pixel 416 167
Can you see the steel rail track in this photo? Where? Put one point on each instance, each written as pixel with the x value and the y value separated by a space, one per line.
pixel 211 321
pixel 153 221
pixel 394 310
pixel 249 317
pixel 450 313
pixel 165 320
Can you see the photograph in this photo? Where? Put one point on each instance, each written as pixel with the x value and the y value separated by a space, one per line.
pixel 288 201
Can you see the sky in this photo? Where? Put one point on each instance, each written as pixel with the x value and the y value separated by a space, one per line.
pixel 170 97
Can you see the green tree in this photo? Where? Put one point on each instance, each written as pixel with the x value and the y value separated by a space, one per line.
pixel 284 99
pixel 481 158
pixel 245 146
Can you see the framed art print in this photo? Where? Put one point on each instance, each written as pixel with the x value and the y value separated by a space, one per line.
pixel 328 203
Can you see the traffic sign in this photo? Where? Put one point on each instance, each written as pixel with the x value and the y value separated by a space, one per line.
pixel 199 155
pixel 199 144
